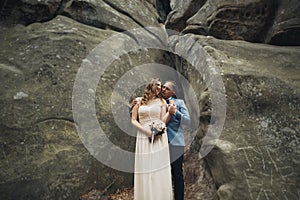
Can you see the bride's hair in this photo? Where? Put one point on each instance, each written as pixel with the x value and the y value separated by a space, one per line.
pixel 151 91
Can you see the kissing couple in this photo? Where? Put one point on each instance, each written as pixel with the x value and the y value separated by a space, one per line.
pixel 157 116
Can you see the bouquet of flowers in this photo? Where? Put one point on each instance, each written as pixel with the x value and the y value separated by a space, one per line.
pixel 158 127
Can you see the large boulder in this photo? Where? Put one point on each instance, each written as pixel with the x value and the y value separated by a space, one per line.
pixel 257 154
pixel 255 157
pixel 286 27
pixel 264 21
pixel 115 15
pixel 43 155
pixel 244 20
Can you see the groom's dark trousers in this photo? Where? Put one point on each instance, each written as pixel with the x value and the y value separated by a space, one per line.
pixel 177 144
pixel 176 158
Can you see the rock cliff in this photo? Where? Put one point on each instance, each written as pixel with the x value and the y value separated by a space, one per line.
pixel 253 45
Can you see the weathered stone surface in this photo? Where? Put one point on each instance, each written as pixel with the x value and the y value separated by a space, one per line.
pixel 274 22
pixel 245 20
pixel 29 11
pixel 47 53
pixel 256 156
pixel 41 146
pixel 108 14
pixel 265 21
pixel 181 12
pixel 43 156
pixel 117 15
pixel 286 27
pixel 199 183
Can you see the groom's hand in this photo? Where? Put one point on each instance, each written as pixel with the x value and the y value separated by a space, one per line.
pixel 133 103
pixel 172 108
pixel 172 102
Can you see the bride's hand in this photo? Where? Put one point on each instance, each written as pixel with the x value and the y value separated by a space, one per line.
pixel 149 133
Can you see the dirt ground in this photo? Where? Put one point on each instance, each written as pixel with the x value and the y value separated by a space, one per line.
pixel 198 184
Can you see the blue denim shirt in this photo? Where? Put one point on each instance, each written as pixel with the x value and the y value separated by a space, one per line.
pixel 174 131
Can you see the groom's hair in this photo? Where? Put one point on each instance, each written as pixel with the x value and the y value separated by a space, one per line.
pixel 174 87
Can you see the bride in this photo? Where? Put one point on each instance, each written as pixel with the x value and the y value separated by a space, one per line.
pixel 152 177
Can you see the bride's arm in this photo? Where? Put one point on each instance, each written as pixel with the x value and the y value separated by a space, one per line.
pixel 136 124
pixel 165 116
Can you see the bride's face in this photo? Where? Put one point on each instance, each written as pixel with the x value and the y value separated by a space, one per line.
pixel 157 87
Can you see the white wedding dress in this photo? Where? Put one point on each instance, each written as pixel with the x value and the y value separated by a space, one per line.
pixel 152 178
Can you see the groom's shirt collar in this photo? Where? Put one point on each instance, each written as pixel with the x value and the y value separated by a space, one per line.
pixel 168 100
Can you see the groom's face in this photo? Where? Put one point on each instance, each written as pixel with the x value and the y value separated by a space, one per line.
pixel 167 90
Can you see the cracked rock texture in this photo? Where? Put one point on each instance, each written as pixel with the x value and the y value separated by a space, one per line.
pixel 44 43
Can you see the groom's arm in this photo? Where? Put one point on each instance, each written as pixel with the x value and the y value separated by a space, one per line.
pixel 182 113
pixel 134 101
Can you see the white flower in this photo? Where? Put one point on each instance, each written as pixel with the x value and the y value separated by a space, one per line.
pixel 158 127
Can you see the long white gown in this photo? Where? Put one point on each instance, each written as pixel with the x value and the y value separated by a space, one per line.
pixel 152 178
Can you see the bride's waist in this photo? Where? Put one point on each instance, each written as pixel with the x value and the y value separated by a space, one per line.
pixel 146 123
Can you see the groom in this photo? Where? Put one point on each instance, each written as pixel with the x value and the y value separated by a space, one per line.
pixel 176 135
pixel 180 115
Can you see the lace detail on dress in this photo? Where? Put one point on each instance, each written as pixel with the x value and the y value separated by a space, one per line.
pixel 147 113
